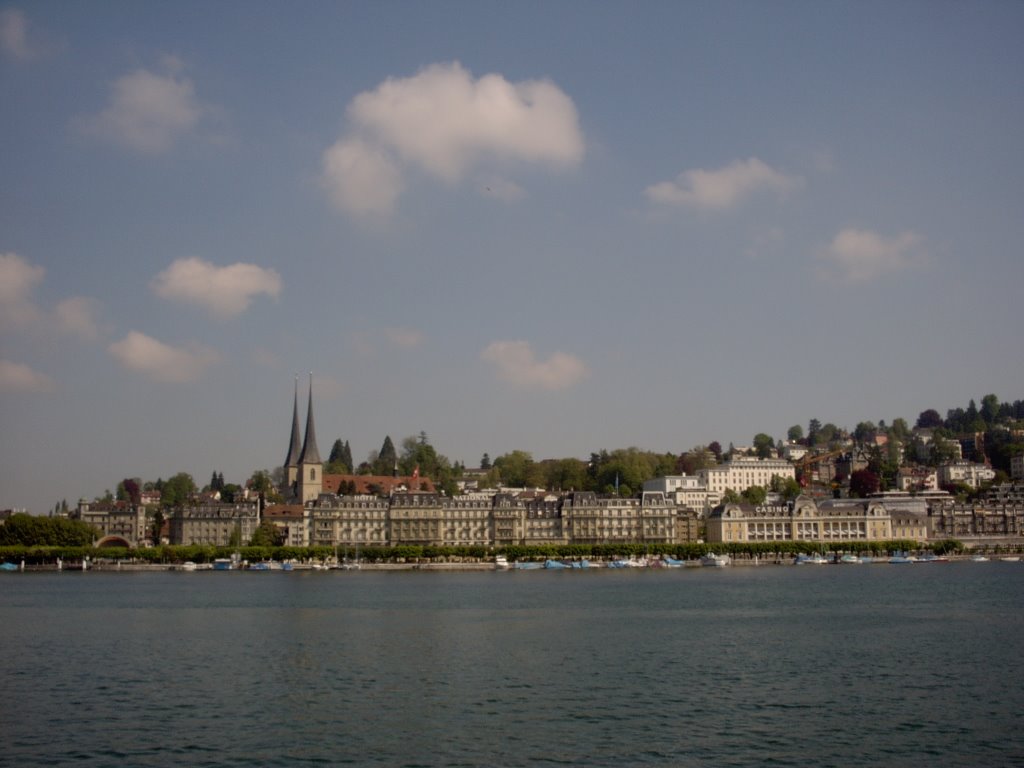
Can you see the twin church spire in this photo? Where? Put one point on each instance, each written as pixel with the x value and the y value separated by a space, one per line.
pixel 303 466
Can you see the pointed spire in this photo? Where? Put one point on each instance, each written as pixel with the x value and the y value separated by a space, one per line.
pixel 310 453
pixel 292 459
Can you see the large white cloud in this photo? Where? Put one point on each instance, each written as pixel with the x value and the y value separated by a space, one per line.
pixel 722 188
pixel 223 290
pixel 18 279
pixel 516 363
pixel 160 361
pixel 148 111
pixel 18 377
pixel 444 122
pixel 860 255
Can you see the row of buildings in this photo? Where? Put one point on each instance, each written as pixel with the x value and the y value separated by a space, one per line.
pixel 503 519
pixel 670 510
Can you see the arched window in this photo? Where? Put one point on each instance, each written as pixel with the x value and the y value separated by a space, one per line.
pixel 312 473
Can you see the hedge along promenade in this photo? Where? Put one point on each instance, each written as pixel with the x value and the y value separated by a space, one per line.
pixel 172 554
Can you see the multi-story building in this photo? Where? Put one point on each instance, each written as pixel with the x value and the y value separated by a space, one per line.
pixel 965 473
pixel 1017 466
pixel 804 519
pixel 350 521
pixel 745 472
pixel 688 491
pixel 118 523
pixel 219 525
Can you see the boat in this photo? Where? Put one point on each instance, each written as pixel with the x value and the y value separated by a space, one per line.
pixel 188 565
pixel 901 559
pixel 1010 559
pixel 579 564
pixel 8 567
pixel 816 559
pixel 528 565
pixel 850 560
pixel 932 558
pixel 619 563
pixel 715 561
pixel 501 563
pixel 979 559
pixel 223 564
pixel 671 562
pixel 554 565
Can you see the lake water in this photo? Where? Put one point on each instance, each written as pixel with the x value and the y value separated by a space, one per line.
pixel 826 665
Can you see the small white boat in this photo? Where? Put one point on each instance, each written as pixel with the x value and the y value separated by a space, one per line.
pixel 188 566
pixel 850 560
pixel 715 561
pixel 1011 559
pixel 501 563
pixel 979 559
pixel 815 559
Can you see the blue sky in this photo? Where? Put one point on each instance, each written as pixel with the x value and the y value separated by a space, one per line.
pixel 553 227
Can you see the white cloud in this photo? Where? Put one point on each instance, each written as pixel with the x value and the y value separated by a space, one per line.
pixel 77 316
pixel 723 188
pixel 223 290
pixel 14 38
pixel 860 255
pixel 17 377
pixel 148 111
pixel 503 189
pixel 160 361
pixel 517 364
pixel 404 337
pixel 361 179
pixel 18 278
pixel 442 121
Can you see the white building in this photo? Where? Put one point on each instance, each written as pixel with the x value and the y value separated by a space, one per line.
pixel 745 472
pixel 965 473
pixel 685 490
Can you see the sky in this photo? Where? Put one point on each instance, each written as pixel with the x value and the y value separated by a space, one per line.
pixel 549 227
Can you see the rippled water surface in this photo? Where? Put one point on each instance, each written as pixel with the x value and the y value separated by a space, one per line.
pixel 829 665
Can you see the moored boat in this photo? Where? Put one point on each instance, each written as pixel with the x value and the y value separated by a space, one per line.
pixel 850 560
pixel 815 559
pixel 554 565
pixel 501 563
pixel 713 560
pixel 671 562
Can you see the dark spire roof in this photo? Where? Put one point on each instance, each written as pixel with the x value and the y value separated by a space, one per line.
pixel 310 453
pixel 292 459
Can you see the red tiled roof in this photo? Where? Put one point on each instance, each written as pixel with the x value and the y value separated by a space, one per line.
pixel 385 483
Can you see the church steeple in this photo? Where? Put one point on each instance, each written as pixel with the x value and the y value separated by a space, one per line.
pixel 311 466
pixel 295 448
pixel 310 453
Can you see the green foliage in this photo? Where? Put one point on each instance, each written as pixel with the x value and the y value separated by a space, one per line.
pixel 755 494
pixel 30 530
pixel 178 490
pixel 267 535
pixel 764 445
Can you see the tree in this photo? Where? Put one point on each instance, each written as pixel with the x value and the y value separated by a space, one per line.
pixel 863 483
pixel 929 419
pixel 899 429
pixel 990 409
pixel 813 427
pixel 387 458
pixel 32 531
pixel 764 445
pixel 864 430
pixel 267 535
pixel 716 448
pixel 564 474
pixel 755 494
pixel 485 462
pixel 336 464
pixel 518 470
pixel 795 433
pixel 178 490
